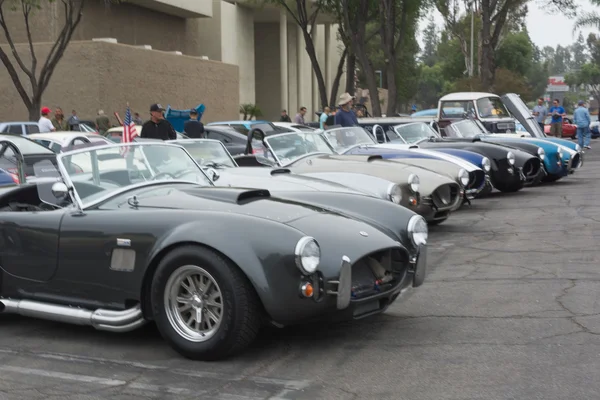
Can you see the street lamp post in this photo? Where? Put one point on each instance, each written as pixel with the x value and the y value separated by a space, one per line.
pixel 472 35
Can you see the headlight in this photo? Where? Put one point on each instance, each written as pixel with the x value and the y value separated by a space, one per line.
pixel 560 154
pixel 486 164
pixel 308 255
pixel 394 193
pixel 542 153
pixel 414 182
pixel 417 230
pixel 463 176
pixel 511 158
pixel 577 148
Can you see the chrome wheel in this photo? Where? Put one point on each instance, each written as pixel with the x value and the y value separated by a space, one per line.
pixel 193 303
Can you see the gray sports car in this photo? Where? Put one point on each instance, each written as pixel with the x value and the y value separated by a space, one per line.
pixel 161 243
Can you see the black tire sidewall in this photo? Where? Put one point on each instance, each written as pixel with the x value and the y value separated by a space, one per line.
pixel 221 271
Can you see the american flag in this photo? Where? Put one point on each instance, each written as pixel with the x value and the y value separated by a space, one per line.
pixel 129 132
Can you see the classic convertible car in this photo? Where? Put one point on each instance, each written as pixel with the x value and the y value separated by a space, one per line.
pixel 431 195
pixel 160 243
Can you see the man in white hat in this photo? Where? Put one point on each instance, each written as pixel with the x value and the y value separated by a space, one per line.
pixel 345 115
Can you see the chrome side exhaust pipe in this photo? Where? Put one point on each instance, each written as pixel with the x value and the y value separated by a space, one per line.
pixel 102 320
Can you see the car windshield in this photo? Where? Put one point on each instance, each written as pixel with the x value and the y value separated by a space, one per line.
pixel 456 109
pixel 100 171
pixel 415 132
pixel 491 107
pixel 208 153
pixel 288 147
pixel 464 129
pixel 343 139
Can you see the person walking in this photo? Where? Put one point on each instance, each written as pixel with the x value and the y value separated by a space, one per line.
pixel 581 118
pixel 284 117
pixel 345 116
pixel 557 112
pixel 158 127
pixel 44 123
pixel 73 121
pixel 323 118
pixel 540 112
pixel 59 122
pixel 102 123
pixel 193 128
pixel 299 118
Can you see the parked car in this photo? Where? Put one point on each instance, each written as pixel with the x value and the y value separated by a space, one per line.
pixel 19 128
pixel 234 141
pixel 59 141
pixel 115 134
pixel 294 127
pixel 569 129
pixel 246 126
pixel 208 290
pixel 431 195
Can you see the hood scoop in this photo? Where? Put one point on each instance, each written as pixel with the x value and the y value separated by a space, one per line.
pixel 374 158
pixel 231 195
pixel 279 171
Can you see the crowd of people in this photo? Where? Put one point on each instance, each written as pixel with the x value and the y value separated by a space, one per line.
pixel 581 118
pixel 345 115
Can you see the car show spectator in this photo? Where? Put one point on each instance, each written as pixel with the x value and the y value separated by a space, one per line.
pixel 323 118
pixel 284 117
pixel 194 128
pixel 345 116
pixel 299 118
pixel 581 118
pixel 540 112
pixel 59 122
pixel 102 122
pixel 158 127
pixel 44 123
pixel 137 119
pixel 73 121
pixel 557 112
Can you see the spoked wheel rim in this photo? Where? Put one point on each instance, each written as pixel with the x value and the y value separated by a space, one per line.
pixel 193 303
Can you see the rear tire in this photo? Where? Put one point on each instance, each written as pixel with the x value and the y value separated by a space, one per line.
pixel 436 222
pixel 204 307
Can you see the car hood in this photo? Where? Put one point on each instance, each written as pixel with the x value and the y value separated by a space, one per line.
pixel 276 179
pixel 252 202
pixel 520 111
pixel 394 171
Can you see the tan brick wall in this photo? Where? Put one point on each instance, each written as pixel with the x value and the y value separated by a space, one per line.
pixel 95 75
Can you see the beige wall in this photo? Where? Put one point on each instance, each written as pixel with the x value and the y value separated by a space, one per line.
pixel 95 75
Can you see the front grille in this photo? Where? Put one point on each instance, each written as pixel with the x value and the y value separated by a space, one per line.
pixel 445 196
pixel 378 272
pixel 532 167
pixel 575 161
pixel 476 179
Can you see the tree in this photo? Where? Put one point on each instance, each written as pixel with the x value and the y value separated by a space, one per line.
pixel 430 86
pixel 516 53
pixel 588 75
pixel 431 41
pixel 38 79
pixel 579 53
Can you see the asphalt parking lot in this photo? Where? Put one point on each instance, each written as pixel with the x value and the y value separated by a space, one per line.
pixel 510 310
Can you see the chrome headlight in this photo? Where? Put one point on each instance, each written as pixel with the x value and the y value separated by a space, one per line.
pixel 559 154
pixel 414 182
pixel 308 255
pixel 511 158
pixel 394 193
pixel 486 164
pixel 417 230
pixel 577 148
pixel 541 153
pixel 463 177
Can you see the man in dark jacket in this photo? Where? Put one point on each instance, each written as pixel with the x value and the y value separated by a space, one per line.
pixel 193 128
pixel 158 127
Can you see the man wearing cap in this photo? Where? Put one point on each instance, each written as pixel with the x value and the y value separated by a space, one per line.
pixel 158 127
pixel 581 118
pixel 193 128
pixel 345 115
pixel 44 123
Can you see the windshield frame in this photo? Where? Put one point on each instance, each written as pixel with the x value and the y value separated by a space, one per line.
pixel 278 161
pixel 345 128
pixel 436 135
pixel 180 142
pixel 66 177
pixel 491 99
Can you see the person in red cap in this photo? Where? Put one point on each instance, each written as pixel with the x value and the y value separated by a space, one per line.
pixel 44 123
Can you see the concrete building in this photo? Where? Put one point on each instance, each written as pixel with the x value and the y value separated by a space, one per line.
pixel 181 52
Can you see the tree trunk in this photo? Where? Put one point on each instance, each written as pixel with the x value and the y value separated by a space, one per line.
pixel 392 89
pixel 336 81
pixel 312 54
pixel 350 72
pixel 35 108
pixel 367 67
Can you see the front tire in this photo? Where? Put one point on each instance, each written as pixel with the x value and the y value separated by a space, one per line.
pixel 204 307
pixel 508 188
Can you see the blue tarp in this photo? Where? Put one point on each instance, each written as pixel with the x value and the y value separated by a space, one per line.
pixel 178 117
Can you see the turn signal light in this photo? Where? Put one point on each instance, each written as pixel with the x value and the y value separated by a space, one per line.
pixel 412 201
pixel 306 290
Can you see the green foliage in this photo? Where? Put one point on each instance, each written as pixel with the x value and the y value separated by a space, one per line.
pixel 250 111
pixel 516 53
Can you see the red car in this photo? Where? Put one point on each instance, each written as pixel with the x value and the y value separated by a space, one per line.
pixel 569 130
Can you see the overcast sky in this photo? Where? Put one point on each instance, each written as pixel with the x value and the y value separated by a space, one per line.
pixel 544 29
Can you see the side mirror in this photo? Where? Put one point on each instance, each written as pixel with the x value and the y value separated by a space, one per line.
pixel 59 190
pixel 214 175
